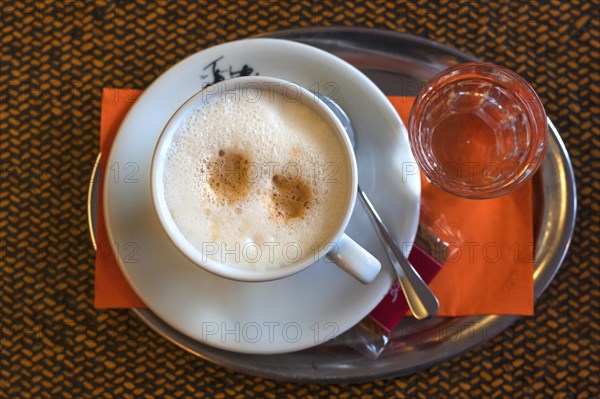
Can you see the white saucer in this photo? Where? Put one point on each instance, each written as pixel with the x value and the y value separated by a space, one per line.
pixel 272 317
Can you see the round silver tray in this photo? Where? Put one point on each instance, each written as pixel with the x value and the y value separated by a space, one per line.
pixel 398 64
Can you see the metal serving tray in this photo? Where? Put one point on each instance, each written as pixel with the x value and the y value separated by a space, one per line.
pixel 399 64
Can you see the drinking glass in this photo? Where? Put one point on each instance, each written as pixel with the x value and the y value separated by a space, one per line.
pixel 478 130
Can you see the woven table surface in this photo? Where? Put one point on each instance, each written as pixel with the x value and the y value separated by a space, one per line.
pixel 55 60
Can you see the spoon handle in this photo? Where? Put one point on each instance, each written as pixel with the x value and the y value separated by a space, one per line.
pixel 419 297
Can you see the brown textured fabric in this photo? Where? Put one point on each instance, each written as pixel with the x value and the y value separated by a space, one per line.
pixel 56 57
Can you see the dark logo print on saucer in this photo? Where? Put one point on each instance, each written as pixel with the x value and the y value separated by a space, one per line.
pixel 217 74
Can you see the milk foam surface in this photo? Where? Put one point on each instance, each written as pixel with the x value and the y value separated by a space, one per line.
pixel 278 139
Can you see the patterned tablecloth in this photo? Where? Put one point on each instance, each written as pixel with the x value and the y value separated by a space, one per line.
pixel 56 58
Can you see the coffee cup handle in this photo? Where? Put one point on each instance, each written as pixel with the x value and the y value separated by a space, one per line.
pixel 355 260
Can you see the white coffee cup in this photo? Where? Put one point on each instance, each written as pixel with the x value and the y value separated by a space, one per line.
pixel 346 253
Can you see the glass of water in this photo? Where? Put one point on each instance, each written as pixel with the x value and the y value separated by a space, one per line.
pixel 478 130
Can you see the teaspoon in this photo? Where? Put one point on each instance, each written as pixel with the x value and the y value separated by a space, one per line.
pixel 421 301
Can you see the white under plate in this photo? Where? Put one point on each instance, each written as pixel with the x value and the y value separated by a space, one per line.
pixel 278 316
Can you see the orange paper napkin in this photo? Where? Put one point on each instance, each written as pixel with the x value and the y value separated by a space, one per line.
pixel 490 272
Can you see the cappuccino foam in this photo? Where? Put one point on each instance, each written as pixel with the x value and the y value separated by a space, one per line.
pixel 257 184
